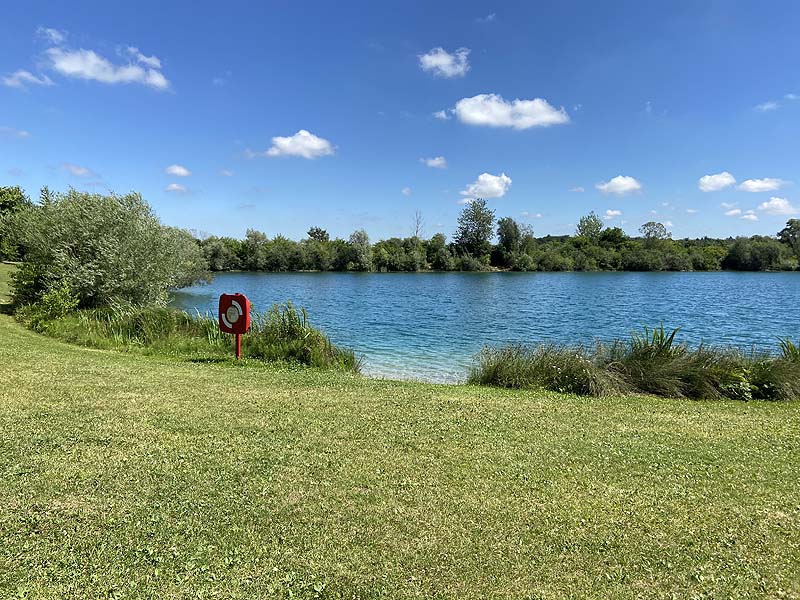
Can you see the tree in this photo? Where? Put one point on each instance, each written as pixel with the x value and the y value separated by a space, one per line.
pixel 361 259
pixel 589 227
pixel 318 234
pixel 509 235
pixel 12 201
pixel 104 249
pixel 790 235
pixel 418 225
pixel 654 231
pixel 475 228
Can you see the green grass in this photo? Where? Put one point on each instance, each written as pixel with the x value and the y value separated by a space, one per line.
pixel 131 476
pixel 5 281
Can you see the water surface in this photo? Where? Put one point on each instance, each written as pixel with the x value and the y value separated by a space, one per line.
pixel 430 325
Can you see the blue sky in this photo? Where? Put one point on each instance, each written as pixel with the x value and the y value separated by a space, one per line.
pixel 280 116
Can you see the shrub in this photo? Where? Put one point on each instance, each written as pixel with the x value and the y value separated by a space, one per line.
pixel 105 248
pixel 54 304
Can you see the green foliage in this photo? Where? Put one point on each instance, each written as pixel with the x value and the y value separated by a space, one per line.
pixel 651 362
pixel 589 227
pixel 790 235
pixel 475 229
pixel 56 303
pixel 754 254
pixel 12 201
pixel 105 249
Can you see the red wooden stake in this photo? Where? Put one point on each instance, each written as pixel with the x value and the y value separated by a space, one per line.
pixel 238 346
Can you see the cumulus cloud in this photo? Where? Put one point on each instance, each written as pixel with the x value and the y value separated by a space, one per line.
pixel 577 189
pixel 442 115
pixel 768 184
pixel 692 211
pixel 437 162
pixel 715 182
pixel 734 212
pixel 766 106
pixel 88 65
pixel 177 171
pixel 749 216
pixel 406 191
pixel 612 214
pixel 22 78
pixel 443 64
pixel 493 110
pixel 20 134
pixel 487 186
pixel 176 188
pixel 226 173
pixel 778 206
pixel 78 170
pixel 303 143
pixel 619 185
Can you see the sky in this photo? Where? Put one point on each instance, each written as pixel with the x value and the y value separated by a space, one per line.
pixel 280 116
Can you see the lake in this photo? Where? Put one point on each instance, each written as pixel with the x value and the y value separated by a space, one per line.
pixel 430 325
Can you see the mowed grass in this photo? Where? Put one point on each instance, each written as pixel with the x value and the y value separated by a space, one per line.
pixel 125 476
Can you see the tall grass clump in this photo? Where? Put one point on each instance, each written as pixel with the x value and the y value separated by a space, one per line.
pixel 557 368
pixel 283 334
pixel 650 362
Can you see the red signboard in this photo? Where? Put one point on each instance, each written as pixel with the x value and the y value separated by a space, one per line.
pixel 234 313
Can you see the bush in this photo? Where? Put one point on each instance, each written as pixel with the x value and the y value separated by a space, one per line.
pixel 54 304
pixel 105 248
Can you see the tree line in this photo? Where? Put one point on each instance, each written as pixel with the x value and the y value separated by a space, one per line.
pixel 593 247
pixel 85 235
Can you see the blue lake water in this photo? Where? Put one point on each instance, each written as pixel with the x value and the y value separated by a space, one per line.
pixel 430 325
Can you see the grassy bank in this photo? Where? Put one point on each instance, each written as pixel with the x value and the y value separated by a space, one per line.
pixel 129 476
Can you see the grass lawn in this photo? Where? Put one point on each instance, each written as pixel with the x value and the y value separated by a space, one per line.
pixel 125 476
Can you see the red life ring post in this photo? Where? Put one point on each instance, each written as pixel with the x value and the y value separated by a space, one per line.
pixel 234 317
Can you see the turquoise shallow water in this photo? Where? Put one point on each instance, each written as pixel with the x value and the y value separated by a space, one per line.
pixel 430 325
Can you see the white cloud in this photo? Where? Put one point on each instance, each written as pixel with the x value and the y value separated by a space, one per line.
pixel 488 186
pixel 667 223
pixel 226 173
pixel 715 182
pixel 749 216
pixel 151 61
pixel 792 97
pixel 766 106
pixel 778 206
pixel 768 184
pixel 443 64
pixel 437 162
pixel 78 170
pixel 176 188
pixel 612 214
pixel 54 36
pixel 20 134
pixel 303 143
pixel 21 78
pixel 87 64
pixel 578 189
pixel 529 215
pixel 619 185
pixel 728 204
pixel 493 111
pixel 734 212
pixel 692 211
pixel 487 19
pixel 443 115
pixel 177 171
pixel 406 191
